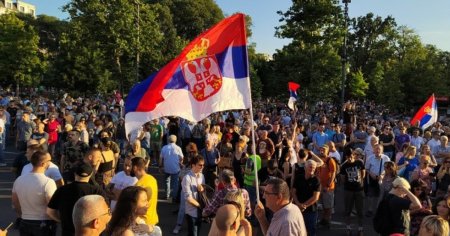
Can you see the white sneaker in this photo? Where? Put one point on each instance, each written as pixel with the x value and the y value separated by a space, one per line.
pixel 177 229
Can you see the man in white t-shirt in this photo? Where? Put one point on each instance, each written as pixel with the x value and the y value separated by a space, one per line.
pixel 334 152
pixel 121 180
pixel 30 195
pixel 52 171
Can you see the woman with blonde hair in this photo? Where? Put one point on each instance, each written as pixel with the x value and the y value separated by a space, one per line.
pixel 408 162
pixel 423 172
pixel 236 199
pixel 434 226
pixel 426 150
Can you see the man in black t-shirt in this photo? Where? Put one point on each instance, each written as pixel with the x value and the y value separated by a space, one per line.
pixel 276 136
pixel 388 141
pixel 269 172
pixel 353 173
pixel 306 194
pixel 63 200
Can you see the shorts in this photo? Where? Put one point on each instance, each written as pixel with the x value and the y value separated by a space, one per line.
pixel 327 199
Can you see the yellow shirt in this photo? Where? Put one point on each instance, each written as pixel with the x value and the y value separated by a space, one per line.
pixel 149 182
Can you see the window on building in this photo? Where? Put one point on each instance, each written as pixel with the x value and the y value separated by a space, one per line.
pixel 32 12
pixel 22 9
pixel 8 5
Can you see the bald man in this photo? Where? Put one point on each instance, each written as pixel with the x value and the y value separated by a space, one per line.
pixel 90 215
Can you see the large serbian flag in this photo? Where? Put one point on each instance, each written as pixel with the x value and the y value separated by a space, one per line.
pixel 210 75
pixel 427 115
pixel 293 94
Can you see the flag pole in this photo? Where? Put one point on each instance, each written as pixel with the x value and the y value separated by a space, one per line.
pixel 251 117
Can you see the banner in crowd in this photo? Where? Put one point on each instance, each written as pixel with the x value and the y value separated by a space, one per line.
pixel 293 94
pixel 427 115
pixel 210 75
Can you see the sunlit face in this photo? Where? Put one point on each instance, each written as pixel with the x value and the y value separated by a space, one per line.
pixel 105 217
pixel 197 168
pixel 127 166
pixel 142 204
pixel 377 150
pixel 95 158
pixel 442 209
pixel 270 196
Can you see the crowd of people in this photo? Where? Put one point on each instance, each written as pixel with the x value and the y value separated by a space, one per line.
pixel 78 167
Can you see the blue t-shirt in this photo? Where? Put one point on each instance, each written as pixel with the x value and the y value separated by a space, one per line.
pixel 412 164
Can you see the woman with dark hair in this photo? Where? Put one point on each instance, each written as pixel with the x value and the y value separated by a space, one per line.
pixel 390 174
pixel 191 185
pixel 128 216
pixel 191 151
pixel 441 208
pixel 419 189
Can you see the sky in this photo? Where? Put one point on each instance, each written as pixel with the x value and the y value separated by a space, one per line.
pixel 429 19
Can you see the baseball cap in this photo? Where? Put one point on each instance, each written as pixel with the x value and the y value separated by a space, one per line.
pixel 83 170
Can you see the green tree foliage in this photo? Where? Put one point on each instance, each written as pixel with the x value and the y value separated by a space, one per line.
pixel 358 85
pixel 192 17
pixel 312 59
pixel 20 63
pixel 110 35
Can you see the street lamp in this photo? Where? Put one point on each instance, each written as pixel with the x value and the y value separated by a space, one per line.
pixel 344 53
pixel 137 42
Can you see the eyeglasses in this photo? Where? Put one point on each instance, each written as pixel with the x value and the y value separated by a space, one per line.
pixel 106 213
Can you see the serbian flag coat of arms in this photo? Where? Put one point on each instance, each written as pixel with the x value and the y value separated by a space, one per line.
pixel 210 75
pixel 293 94
pixel 427 115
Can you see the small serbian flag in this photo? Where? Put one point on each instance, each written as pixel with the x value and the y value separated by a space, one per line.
pixel 427 115
pixel 293 94
pixel 209 75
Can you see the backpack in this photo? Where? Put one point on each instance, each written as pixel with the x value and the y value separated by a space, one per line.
pixel 382 222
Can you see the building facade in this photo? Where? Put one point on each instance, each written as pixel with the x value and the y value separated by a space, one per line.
pixel 7 6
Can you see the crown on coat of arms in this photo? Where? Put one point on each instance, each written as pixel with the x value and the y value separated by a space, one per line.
pixel 427 109
pixel 199 50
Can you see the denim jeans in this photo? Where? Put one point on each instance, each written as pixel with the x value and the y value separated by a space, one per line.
pixel 310 219
pixel 171 185
pixel 37 228
pixel 194 224
pixel 181 210
pixel 1 152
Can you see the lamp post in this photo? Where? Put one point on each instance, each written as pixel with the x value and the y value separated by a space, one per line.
pixel 137 41
pixel 344 54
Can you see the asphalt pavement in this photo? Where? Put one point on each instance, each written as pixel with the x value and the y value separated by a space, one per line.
pixel 166 210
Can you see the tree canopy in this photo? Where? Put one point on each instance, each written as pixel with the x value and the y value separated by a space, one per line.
pixel 106 45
